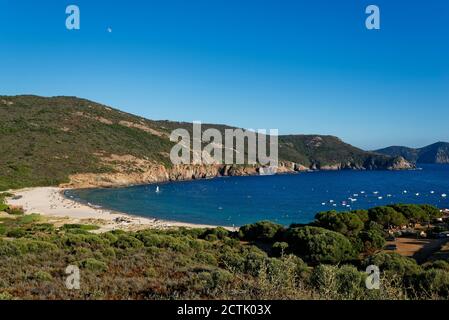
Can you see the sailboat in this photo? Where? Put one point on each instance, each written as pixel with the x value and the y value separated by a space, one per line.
pixel 157 189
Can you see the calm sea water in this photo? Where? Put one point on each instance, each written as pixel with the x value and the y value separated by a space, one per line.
pixel 284 199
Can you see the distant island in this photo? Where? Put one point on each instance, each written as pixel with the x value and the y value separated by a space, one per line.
pixel 79 143
pixel 434 153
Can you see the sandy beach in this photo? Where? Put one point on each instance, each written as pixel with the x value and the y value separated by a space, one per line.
pixel 51 203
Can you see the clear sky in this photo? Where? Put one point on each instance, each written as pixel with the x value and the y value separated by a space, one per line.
pixel 298 66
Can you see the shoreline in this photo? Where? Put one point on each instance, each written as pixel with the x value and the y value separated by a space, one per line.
pixel 50 202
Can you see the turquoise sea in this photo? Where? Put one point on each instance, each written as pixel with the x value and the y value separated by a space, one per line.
pixel 285 199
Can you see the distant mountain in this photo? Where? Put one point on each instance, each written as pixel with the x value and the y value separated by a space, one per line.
pixel 434 153
pixel 80 143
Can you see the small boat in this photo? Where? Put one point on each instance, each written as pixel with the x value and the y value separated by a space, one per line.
pixel 157 189
pixel 444 195
pixel 432 192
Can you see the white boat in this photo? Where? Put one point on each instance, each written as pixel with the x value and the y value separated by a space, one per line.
pixel 444 195
pixel 157 189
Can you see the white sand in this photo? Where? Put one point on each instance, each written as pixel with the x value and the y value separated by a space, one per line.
pixel 50 202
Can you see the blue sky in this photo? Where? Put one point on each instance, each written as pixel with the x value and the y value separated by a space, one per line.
pixel 298 66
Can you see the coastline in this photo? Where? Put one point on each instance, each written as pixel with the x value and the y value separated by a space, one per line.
pixel 51 203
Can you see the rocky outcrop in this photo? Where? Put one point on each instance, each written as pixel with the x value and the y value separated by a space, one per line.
pixel 159 173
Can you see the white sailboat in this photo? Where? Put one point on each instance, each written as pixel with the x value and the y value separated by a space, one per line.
pixel 157 189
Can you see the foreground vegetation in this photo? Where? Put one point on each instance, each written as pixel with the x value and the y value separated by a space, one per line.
pixel 324 260
pixel 66 135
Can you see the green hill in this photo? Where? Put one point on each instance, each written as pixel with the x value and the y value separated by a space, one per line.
pixel 434 153
pixel 43 141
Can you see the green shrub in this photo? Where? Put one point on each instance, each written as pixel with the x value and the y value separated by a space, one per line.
pixel 412 212
pixel 84 240
pixel 85 227
pixel 16 233
pixel 433 283
pixel 29 218
pixel 42 276
pixel 432 211
pixel 8 249
pixel 260 231
pixel 207 258
pixel 394 262
pixel 219 233
pixel 93 265
pixel 319 245
pixel 347 223
pixel 34 246
pixel 279 248
pixel 362 214
pixel 349 282
pixel 372 240
pixel 4 296
pixel 387 217
pixel 127 242
pixel 438 264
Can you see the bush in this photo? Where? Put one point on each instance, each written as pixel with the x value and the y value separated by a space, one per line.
pixel 16 233
pixel 93 265
pixel 349 282
pixel 362 214
pixel 334 282
pixel 279 248
pixel 29 218
pixel 433 283
pixel 394 262
pixel 432 211
pixel 319 245
pixel 83 240
pixel 438 264
pixel 260 231
pixel 372 240
pixel 387 217
pixel 80 226
pixel 219 233
pixel 42 276
pixel 347 223
pixel 34 246
pixel 412 212
pixel 127 241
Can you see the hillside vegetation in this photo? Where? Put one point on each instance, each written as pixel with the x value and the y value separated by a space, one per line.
pixel 46 140
pixel 434 153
